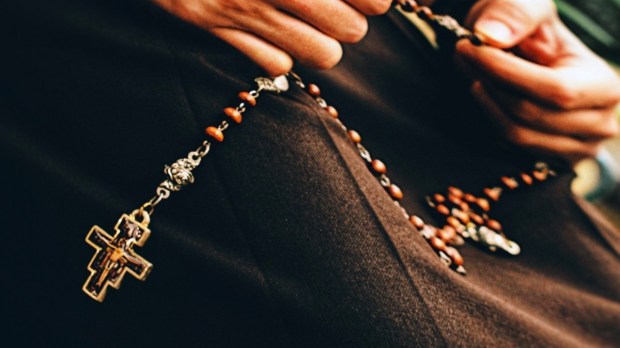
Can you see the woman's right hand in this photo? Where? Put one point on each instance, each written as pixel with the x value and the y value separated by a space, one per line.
pixel 273 33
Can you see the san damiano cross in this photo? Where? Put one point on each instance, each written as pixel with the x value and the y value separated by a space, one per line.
pixel 115 255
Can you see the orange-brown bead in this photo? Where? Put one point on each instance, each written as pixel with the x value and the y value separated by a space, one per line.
pixel 455 191
pixel 540 176
pixel 477 219
pixel 395 192
pixel 510 182
pixel 494 225
pixel 464 206
pixel 439 198
pixel 354 136
pixel 483 204
pixel 493 193
pixel 455 200
pixel 462 216
pixel 454 255
pixel 215 133
pixel 248 98
pixel 331 111
pixel 442 209
pixel 417 221
pixel 447 233
pixel 233 114
pixel 469 197
pixel 378 166
pixel 314 90
pixel 527 179
pixel 454 222
pixel 437 243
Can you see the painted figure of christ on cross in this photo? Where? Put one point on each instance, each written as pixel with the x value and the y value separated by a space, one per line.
pixel 115 255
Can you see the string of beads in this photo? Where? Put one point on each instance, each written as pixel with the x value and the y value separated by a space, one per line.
pixel 465 215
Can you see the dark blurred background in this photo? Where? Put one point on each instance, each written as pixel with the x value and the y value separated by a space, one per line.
pixel 597 23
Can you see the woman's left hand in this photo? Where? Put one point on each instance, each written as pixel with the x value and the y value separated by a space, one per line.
pixel 544 89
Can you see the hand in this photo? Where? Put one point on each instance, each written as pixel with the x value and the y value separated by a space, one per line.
pixel 274 32
pixel 543 88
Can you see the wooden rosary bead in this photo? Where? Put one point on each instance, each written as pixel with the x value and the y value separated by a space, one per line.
pixel 470 198
pixel 439 198
pixel 493 193
pixel 483 204
pixel 442 209
pixel 447 233
pixel 417 222
pixel 510 182
pixel 248 98
pixel 454 255
pixel 331 111
pixel 215 133
pixel 462 216
pixel 378 166
pixel 455 191
pixel 455 200
pixel 395 192
pixel 526 179
pixel 314 90
pixel 464 206
pixel 354 136
pixel 539 175
pixel 454 222
pixel 233 114
pixel 437 243
pixel 494 225
pixel 477 219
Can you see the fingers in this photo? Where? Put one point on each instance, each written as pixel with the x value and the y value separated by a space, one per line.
pixel 371 7
pixel 272 59
pixel 302 41
pixel 584 124
pixel 579 82
pixel 273 33
pixel 336 19
pixel 537 141
pixel 505 23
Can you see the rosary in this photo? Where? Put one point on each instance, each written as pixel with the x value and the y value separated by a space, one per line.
pixel 465 216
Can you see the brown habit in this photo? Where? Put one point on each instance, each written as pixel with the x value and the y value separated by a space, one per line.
pixel 285 239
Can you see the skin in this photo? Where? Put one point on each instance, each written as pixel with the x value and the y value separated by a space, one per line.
pixel 540 85
pixel 274 33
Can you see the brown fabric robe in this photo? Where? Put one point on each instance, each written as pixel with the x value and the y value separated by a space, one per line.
pixel 285 239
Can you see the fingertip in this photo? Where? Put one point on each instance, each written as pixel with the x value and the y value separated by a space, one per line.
pixel 355 33
pixel 279 64
pixel 495 33
pixel 327 58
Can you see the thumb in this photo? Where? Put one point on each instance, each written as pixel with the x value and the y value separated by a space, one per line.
pixel 506 23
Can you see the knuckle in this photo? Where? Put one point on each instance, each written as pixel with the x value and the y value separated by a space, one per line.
pixel 565 96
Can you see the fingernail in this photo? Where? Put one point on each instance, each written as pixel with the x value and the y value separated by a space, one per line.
pixel 498 32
